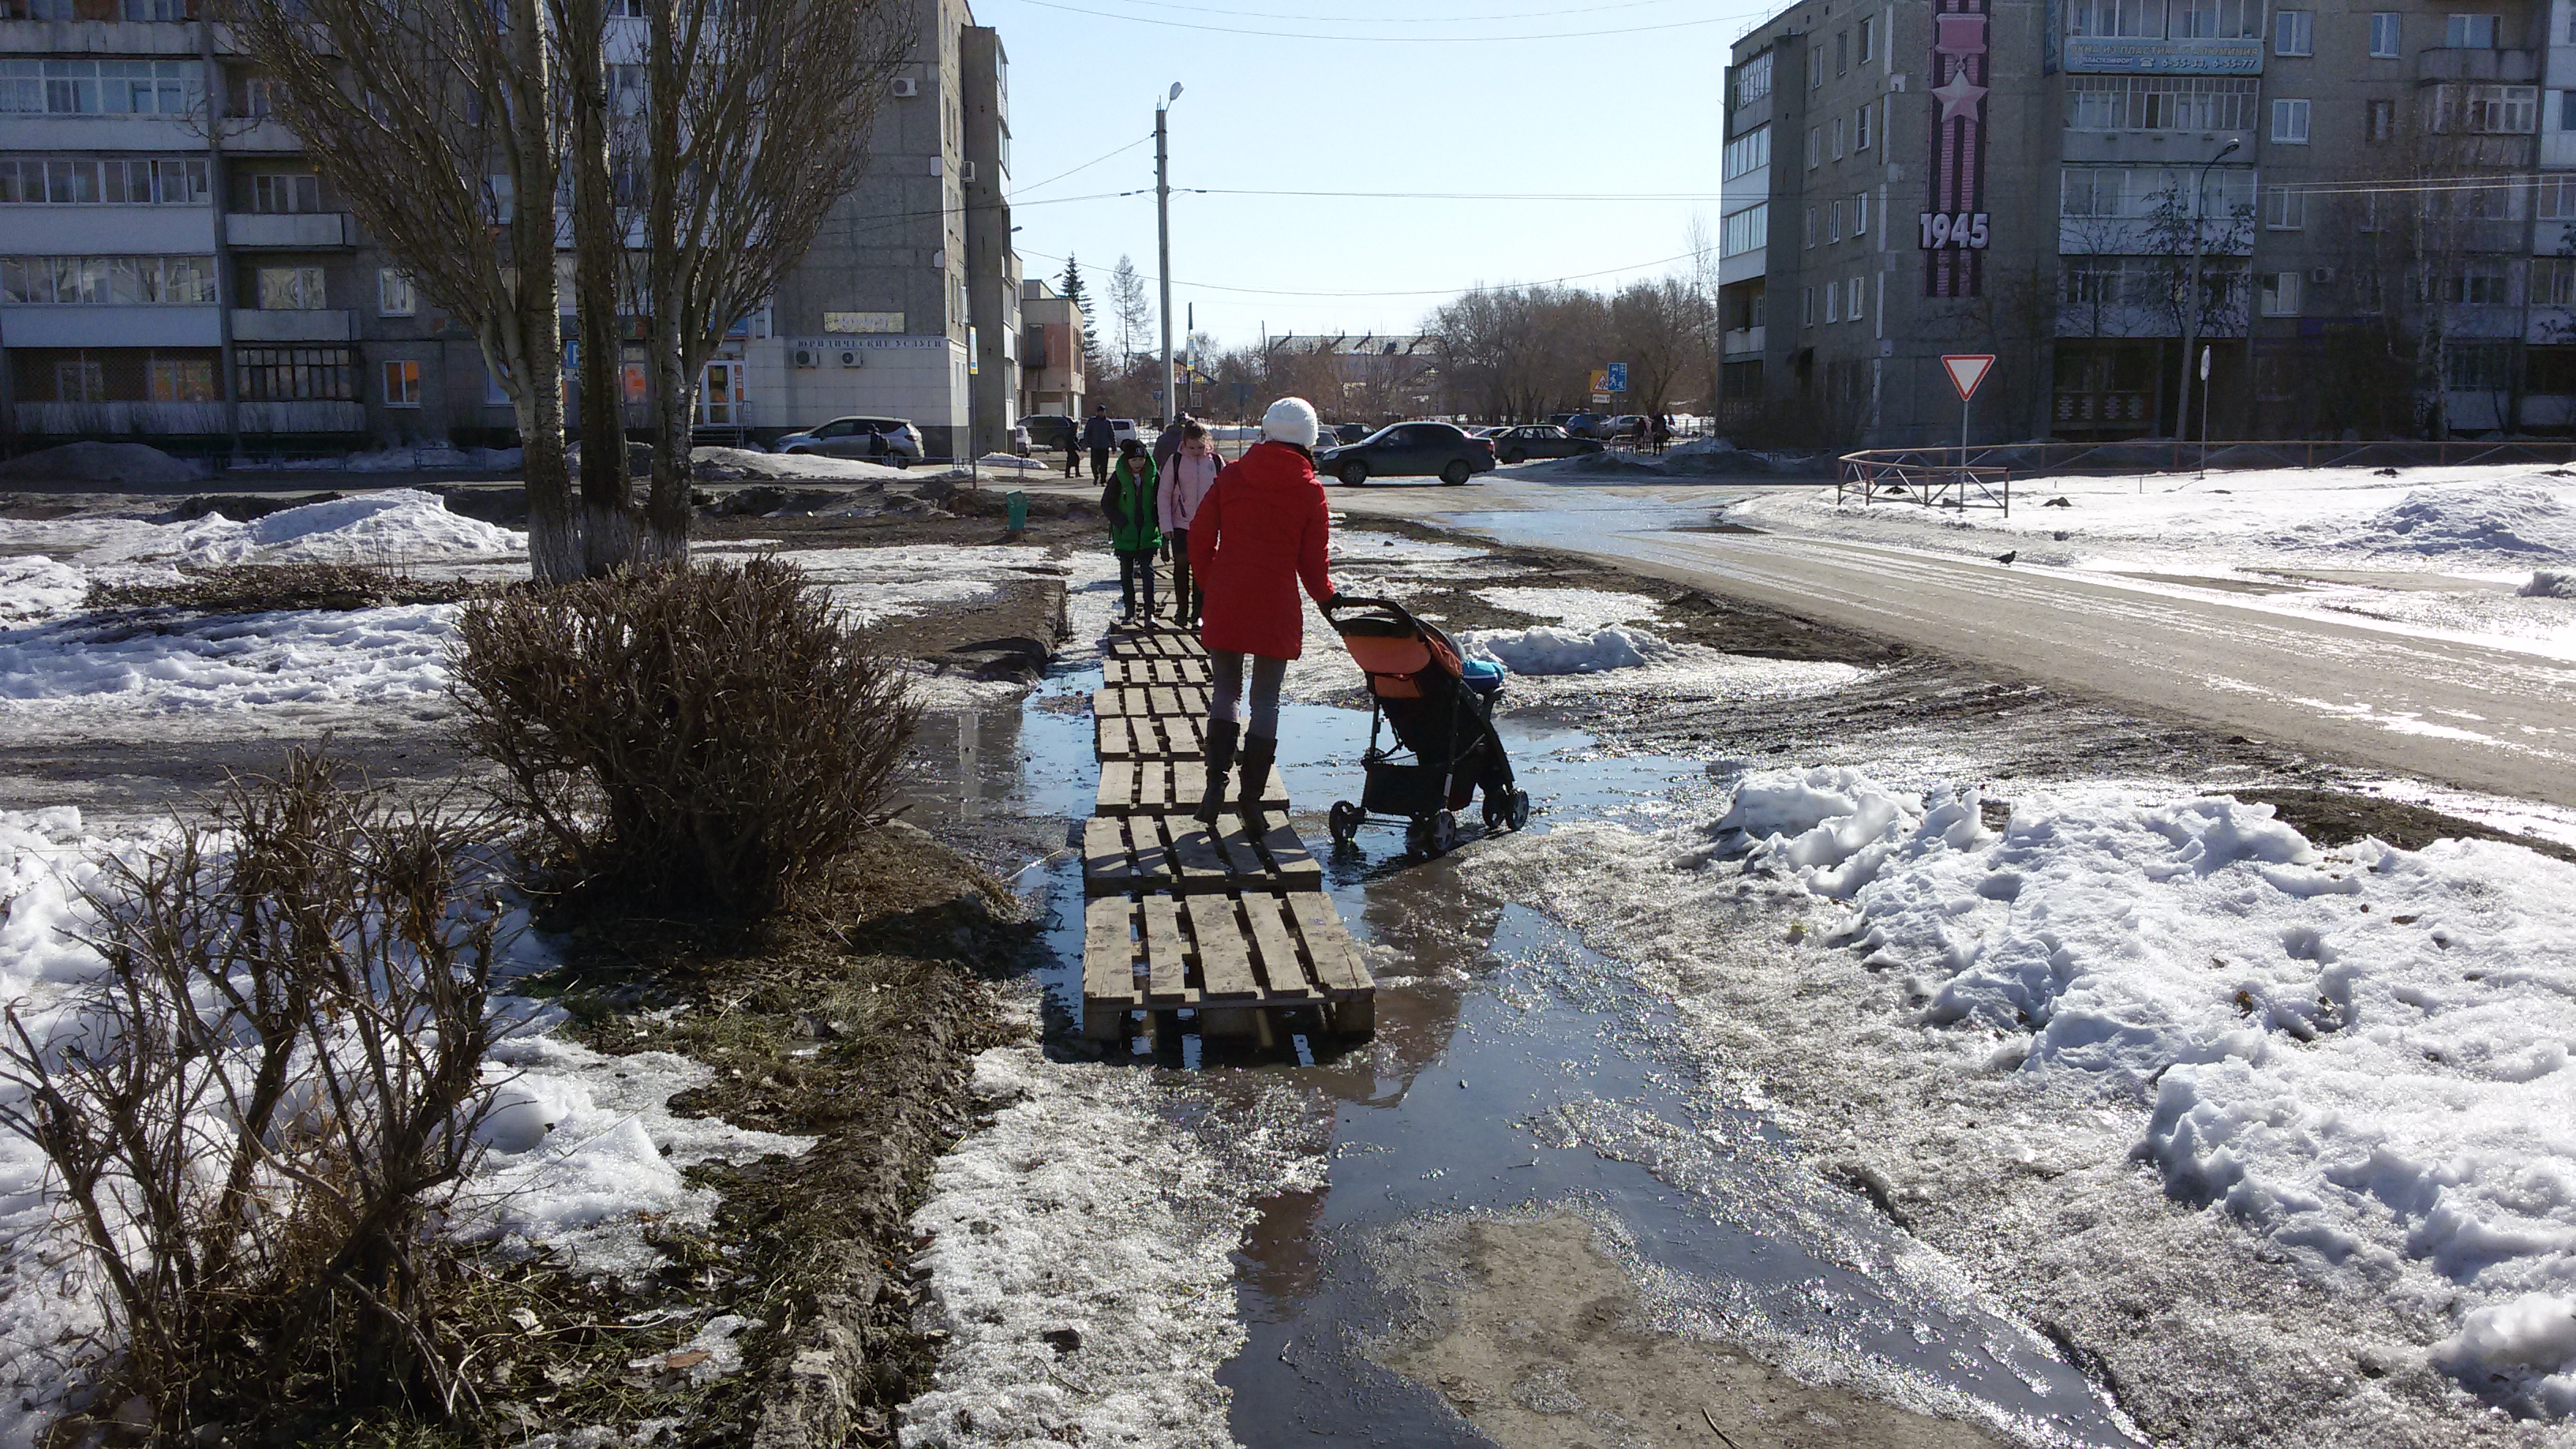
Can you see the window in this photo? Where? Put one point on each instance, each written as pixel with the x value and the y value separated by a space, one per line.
pixel 259 98
pixel 1815 147
pixel 291 289
pixel 101 87
pixel 1809 238
pixel 2553 282
pixel 182 379
pixel 1864 38
pixel 1748 153
pixel 2281 294
pixel 2211 19
pixel 1815 67
pixel 294 374
pixel 79 379
pixel 2290 122
pixel 2294 32
pixel 394 295
pixel 2469 32
pixel 2159 103
pixel 1753 79
pixel 402 384
pixel 1860 214
pixel 2379 121
pixel 1851 306
pixel 1838 138
pixel 2144 18
pixel 1745 231
pixel 2477 284
pixel 1860 129
pixel 2384 34
pixel 2285 208
pixel 2557 197
pixel 2486 110
pixel 1806 306
pixel 1833 303
pixel 279 192
pixel 1834 222
pixel 1842 52
pixel 2567 110
pixel 2478 367
pixel 76 281
pixel 77 181
pixel 2139 192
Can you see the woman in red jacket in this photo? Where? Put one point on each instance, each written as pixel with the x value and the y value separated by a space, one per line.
pixel 1260 531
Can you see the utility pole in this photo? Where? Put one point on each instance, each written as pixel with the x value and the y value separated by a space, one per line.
pixel 2191 296
pixel 1163 234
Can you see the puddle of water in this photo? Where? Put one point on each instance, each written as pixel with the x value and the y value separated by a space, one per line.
pixel 1512 1066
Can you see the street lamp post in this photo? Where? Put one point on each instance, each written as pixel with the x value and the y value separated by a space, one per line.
pixel 2191 295
pixel 1163 235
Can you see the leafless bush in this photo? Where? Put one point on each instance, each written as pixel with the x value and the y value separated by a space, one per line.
pixel 261 1105
pixel 712 736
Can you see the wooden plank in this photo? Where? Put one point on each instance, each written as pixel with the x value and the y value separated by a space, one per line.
pixel 1274 949
pixel 1118 785
pixel 1201 867
pixel 1106 868
pixel 1115 739
pixel 1166 970
pixel 1189 782
pixel 1337 961
pixel 1153 855
pixel 1164 699
pixel 1289 860
pixel 1108 968
pixel 1225 958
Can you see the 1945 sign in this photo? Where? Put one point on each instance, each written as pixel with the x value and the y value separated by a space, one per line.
pixel 1965 230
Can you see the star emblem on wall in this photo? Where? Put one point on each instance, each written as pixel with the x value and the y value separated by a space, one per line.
pixel 1959 97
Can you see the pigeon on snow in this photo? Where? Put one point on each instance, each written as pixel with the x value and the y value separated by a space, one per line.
pixel 2007 556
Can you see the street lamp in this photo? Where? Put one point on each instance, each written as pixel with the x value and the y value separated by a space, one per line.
pixel 2191 296
pixel 1163 237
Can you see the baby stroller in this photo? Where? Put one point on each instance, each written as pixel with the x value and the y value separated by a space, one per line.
pixel 1441 705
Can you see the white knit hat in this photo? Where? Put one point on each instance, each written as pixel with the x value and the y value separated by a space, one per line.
pixel 1291 420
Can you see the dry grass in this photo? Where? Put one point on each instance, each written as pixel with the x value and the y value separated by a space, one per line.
pixel 260 588
pixel 256 1112
pixel 699 740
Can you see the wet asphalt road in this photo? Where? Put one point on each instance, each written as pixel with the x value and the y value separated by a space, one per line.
pixel 2475 717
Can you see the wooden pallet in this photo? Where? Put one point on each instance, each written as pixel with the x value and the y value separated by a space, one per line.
pixel 1162 640
pixel 1233 958
pixel 1145 701
pixel 1151 737
pixel 1171 787
pixel 1129 853
pixel 1191 671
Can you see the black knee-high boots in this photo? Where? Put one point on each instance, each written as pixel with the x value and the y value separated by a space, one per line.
pixel 1254 767
pixel 1220 760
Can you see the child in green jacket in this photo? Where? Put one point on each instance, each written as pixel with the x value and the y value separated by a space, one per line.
pixel 1129 503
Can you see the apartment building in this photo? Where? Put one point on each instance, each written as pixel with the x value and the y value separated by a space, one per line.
pixel 1051 377
pixel 2367 200
pixel 173 269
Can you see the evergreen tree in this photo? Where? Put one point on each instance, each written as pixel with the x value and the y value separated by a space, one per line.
pixel 1081 301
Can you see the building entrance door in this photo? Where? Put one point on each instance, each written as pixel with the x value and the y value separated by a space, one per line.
pixel 722 400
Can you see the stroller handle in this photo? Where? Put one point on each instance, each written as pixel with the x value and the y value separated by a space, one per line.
pixel 1353 601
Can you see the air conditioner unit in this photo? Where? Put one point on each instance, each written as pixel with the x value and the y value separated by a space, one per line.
pixel 852 357
pixel 2321 275
pixel 807 357
pixel 905 85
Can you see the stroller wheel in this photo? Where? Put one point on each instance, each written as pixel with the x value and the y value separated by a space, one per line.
pixel 1520 809
pixel 1417 836
pixel 1344 822
pixel 1444 832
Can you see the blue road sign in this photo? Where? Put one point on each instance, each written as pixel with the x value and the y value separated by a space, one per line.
pixel 1618 376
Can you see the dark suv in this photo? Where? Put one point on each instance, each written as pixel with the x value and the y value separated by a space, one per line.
pixel 1441 450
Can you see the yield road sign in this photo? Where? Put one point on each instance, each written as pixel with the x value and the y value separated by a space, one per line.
pixel 1966 370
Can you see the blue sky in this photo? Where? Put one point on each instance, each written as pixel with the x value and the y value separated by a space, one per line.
pixel 1619 99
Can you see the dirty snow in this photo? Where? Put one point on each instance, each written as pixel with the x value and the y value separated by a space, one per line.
pixel 1545 649
pixel 2359 1057
pixel 1586 608
pixel 372 657
pixel 1081 1258
pixel 389 460
pixel 398 527
pixel 33 586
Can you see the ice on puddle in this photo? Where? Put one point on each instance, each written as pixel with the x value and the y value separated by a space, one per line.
pixel 2362 1055
pixel 1546 649
pixel 1081 1259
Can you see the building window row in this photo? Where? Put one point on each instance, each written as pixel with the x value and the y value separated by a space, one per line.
pixel 98 9
pixel 295 374
pixel 101 87
pixel 1748 153
pixel 1745 231
pixel 119 374
pixel 81 181
pixel 2485 110
pixel 68 281
pixel 1753 79
pixel 2163 19
pixel 2133 193
pixel 2159 103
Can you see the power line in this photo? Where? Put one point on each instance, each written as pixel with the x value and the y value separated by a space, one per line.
pixel 1419 292
pixel 1087 165
pixel 1375 39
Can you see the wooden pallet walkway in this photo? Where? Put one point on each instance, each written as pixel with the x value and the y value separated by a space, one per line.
pixel 1180 917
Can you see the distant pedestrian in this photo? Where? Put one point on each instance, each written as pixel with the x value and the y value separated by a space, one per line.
pixel 1186 481
pixel 1167 443
pixel 1663 430
pixel 1128 501
pixel 1072 447
pixel 1262 530
pixel 1099 435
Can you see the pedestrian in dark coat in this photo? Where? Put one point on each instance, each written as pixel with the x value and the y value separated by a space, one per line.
pixel 1260 532
pixel 1099 435
pixel 1072 447
pixel 1129 501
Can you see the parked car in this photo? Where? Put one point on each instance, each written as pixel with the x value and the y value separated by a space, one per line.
pixel 1021 446
pixel 1124 428
pixel 1588 425
pixel 1348 432
pixel 869 440
pixel 1047 430
pixel 1563 419
pixel 1538 440
pixel 1628 425
pixel 1415 450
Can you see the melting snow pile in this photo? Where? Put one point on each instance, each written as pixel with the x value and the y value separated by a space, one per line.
pixel 2550 584
pixel 363 656
pixel 2509 517
pixel 1546 649
pixel 2362 1055
pixel 1082 1258
pixel 36 587
pixel 399 525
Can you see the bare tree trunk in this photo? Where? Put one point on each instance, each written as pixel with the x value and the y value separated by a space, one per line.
pixel 607 498
pixel 666 503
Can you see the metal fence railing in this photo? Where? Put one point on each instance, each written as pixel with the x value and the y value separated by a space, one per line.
pixel 1950 476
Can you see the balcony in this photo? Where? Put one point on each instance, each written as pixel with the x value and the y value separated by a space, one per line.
pixel 2512 67
pixel 120 419
pixel 332 325
pixel 304 231
pixel 303 417
pixel 1742 341
pixel 2152 148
